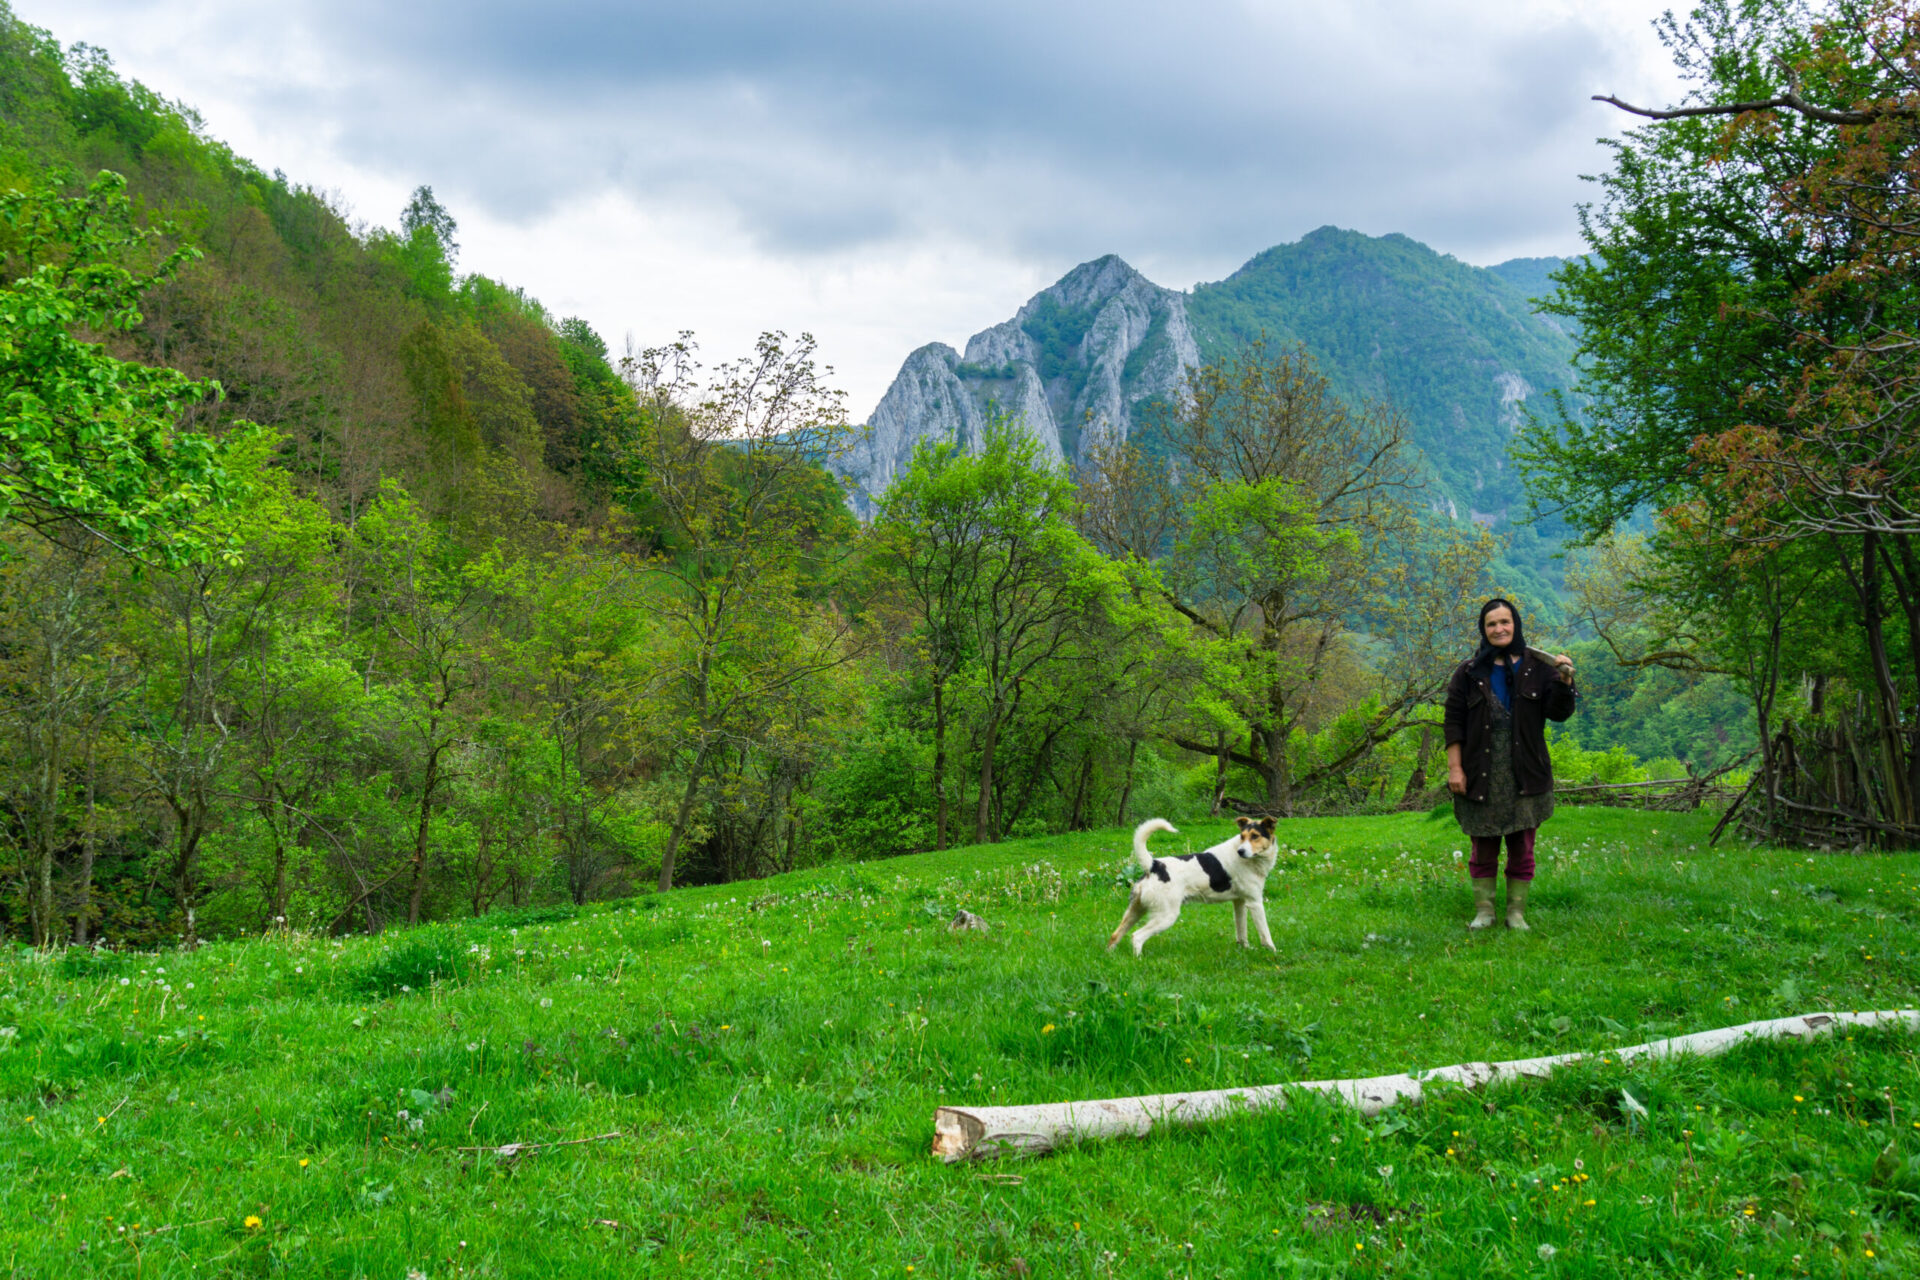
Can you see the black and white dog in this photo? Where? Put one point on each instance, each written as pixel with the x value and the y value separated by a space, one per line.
pixel 1235 870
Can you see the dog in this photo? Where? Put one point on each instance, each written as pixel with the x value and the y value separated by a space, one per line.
pixel 1235 870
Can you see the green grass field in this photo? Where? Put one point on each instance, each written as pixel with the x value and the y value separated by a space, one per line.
pixel 770 1055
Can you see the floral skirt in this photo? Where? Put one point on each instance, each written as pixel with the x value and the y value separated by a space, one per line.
pixel 1505 810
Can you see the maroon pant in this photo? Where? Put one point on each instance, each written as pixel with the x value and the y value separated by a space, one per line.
pixel 1485 862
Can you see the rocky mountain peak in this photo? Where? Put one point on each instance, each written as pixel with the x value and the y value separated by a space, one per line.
pixel 1069 368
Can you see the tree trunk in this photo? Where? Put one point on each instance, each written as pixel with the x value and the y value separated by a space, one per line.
pixel 978 1133
pixel 681 817
pixel 277 909
pixel 1887 705
pixel 482 869
pixel 1221 759
pixel 1417 781
pixel 42 911
pixel 1126 786
pixel 1904 571
pixel 983 807
pixel 1083 783
pixel 417 891
pixel 83 893
pixel 188 821
pixel 1279 771
pixel 939 764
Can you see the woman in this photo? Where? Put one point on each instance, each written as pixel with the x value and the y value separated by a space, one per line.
pixel 1498 705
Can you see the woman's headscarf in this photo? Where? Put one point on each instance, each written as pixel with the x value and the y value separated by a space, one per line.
pixel 1516 648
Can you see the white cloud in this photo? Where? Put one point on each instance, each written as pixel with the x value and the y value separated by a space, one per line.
pixel 883 174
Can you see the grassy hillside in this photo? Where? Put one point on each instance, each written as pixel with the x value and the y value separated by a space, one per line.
pixel 770 1057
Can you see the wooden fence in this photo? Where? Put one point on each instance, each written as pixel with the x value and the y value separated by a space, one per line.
pixel 1838 784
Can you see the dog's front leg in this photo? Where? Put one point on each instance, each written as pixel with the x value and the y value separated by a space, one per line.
pixel 1240 921
pixel 1260 925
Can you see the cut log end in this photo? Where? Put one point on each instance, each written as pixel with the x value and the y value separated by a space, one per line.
pixel 955 1133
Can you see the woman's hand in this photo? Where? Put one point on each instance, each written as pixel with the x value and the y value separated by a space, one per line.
pixel 1563 666
pixel 1456 780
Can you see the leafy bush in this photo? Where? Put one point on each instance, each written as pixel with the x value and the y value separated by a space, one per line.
pixel 521 917
pixel 1575 767
pixel 414 963
pixel 873 802
pixel 91 962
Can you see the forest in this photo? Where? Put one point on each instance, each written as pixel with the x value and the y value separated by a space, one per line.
pixel 345 589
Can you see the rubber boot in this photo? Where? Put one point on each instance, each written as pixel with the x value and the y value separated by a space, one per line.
pixel 1483 890
pixel 1517 903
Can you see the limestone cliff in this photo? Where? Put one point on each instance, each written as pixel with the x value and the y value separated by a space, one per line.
pixel 1069 368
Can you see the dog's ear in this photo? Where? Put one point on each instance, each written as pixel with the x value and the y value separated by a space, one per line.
pixel 1244 822
pixel 1266 827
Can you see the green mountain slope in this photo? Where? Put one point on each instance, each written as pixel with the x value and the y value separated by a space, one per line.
pixel 362 348
pixel 1533 277
pixel 1457 349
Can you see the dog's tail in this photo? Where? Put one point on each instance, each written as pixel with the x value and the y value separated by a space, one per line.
pixel 1140 833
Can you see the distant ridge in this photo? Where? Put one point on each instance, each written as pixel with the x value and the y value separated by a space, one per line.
pixel 1459 350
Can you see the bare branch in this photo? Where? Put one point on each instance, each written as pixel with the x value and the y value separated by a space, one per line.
pixel 1788 101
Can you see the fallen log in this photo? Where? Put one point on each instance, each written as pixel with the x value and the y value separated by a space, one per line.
pixel 980 1133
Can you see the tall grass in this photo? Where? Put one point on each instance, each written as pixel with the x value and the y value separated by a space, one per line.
pixel 770 1055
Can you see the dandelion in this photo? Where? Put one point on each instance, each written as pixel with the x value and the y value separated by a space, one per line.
pixel 1798 1098
pixel 1546 1252
pixel 303 1162
pixel 1048 1030
pixel 546 1002
pixel 252 1223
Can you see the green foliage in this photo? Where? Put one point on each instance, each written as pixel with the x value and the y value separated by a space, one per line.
pixel 1742 336
pixel 1574 767
pixel 426 214
pixel 872 802
pixel 85 436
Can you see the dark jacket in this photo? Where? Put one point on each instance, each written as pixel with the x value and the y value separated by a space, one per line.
pixel 1539 696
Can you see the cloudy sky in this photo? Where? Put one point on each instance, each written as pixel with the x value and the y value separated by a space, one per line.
pixel 883 173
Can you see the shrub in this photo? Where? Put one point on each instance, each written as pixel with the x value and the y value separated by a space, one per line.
pixel 91 962
pixel 414 963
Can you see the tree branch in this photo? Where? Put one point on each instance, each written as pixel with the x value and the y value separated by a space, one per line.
pixel 1789 101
